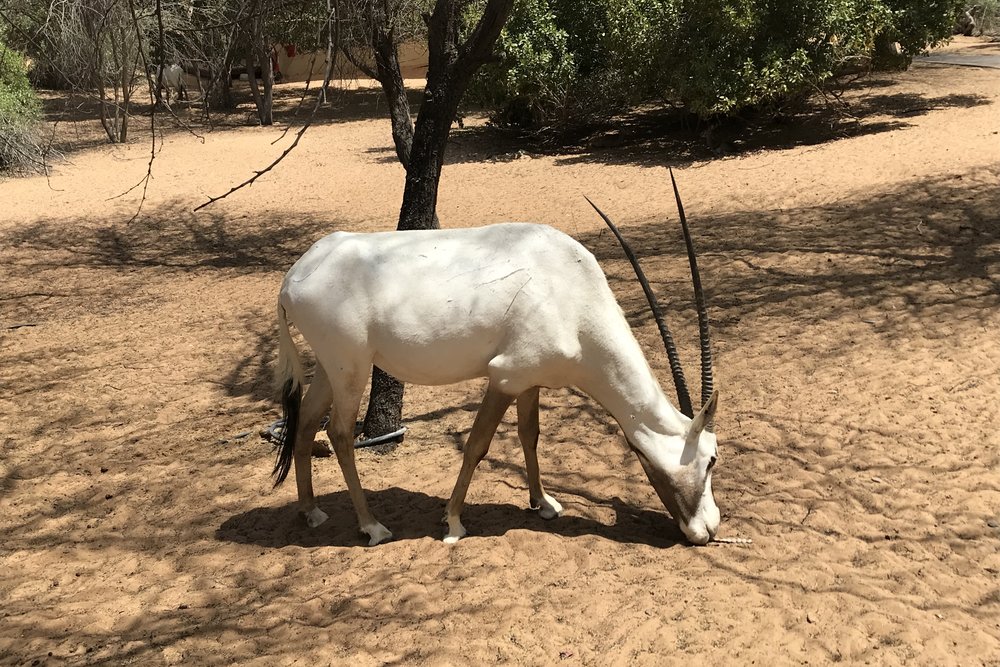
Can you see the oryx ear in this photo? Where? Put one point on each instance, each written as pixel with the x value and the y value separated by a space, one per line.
pixel 704 420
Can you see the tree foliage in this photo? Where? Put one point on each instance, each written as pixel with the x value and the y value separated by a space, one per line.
pixel 20 112
pixel 100 48
pixel 92 46
pixel 566 59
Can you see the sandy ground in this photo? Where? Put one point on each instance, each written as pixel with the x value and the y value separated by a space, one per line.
pixel 854 279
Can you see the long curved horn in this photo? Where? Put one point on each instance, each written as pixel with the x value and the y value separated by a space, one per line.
pixel 704 337
pixel 683 396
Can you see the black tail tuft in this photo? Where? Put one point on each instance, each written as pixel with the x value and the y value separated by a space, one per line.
pixel 291 399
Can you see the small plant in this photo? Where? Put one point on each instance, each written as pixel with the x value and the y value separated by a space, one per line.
pixel 20 112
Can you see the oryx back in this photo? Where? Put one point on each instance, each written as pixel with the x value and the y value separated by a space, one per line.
pixel 442 306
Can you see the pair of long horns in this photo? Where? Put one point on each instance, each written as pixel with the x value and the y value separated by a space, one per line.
pixel 707 384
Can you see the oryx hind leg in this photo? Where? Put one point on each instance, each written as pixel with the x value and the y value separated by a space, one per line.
pixel 315 404
pixel 527 431
pixel 346 403
pixel 490 413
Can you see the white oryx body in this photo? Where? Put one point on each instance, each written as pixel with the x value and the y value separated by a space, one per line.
pixel 169 77
pixel 520 304
pixel 523 305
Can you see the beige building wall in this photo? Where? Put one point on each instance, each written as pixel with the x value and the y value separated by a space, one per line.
pixel 302 66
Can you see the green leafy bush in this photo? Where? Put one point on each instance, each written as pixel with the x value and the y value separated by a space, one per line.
pixel 563 60
pixel 535 70
pixel 727 55
pixel 20 112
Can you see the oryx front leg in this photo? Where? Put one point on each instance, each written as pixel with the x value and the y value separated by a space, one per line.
pixel 494 405
pixel 315 404
pixel 527 432
pixel 341 432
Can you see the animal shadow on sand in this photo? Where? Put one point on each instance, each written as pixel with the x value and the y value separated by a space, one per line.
pixel 415 515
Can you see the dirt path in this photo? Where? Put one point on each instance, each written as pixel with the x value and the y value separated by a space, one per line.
pixel 854 276
pixel 968 52
pixel 988 58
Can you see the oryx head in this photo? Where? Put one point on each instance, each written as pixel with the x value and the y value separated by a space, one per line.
pixel 680 466
pixel 680 471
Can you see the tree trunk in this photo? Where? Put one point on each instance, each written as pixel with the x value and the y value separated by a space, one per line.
pixel 127 81
pixel 421 149
pixel 423 175
pixel 385 405
pixel 264 111
pixel 450 67
pixel 98 84
pixel 390 76
pixel 123 124
pixel 248 61
pixel 106 122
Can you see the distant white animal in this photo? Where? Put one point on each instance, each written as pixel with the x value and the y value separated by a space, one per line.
pixel 523 305
pixel 169 77
pixel 965 24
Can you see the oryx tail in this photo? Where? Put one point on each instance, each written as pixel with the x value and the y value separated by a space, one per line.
pixel 289 377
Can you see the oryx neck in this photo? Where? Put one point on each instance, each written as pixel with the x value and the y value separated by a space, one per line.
pixel 627 388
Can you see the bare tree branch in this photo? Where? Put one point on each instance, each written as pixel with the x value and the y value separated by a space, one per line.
pixel 364 67
pixel 298 136
pixel 258 174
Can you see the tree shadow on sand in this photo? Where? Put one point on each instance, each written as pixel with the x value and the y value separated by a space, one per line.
pixel 654 135
pixel 650 135
pixel 927 247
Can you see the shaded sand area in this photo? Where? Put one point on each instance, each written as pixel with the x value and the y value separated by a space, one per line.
pixel 853 271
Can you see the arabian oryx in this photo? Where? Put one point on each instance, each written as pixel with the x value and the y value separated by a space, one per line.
pixel 168 77
pixel 523 305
